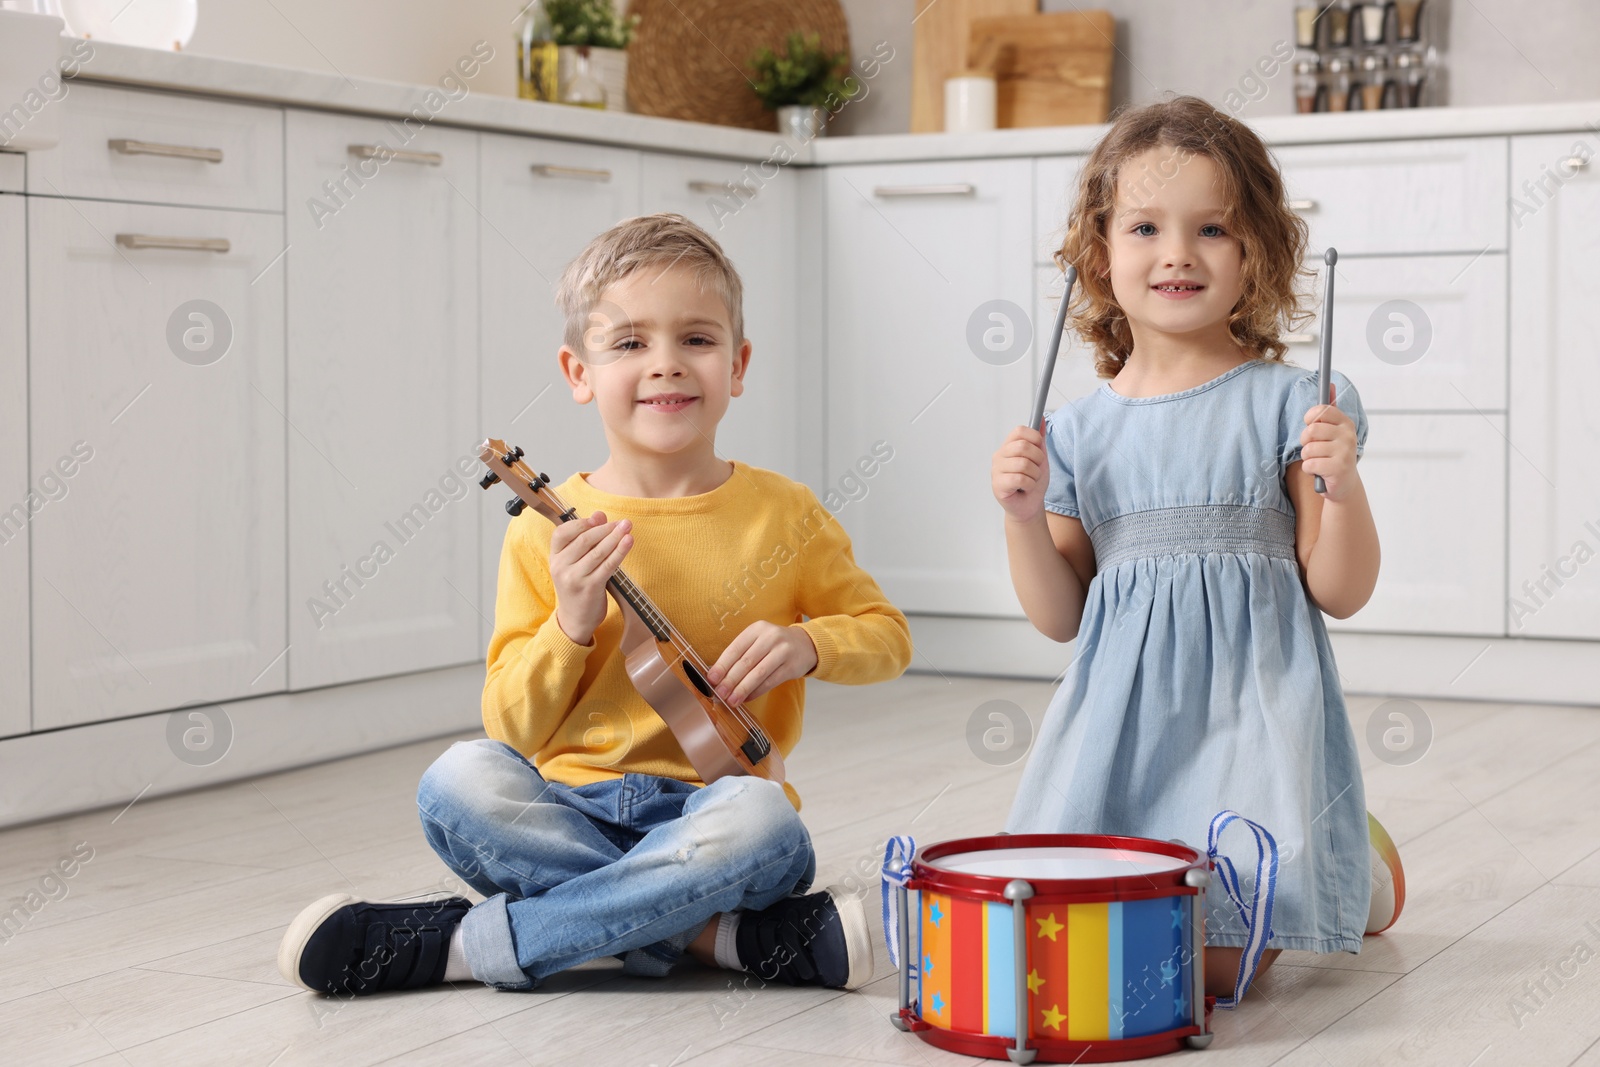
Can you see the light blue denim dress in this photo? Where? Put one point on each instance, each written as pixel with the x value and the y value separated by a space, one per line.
pixel 1203 678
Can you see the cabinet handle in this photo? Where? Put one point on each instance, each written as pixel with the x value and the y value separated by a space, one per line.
pixel 181 244
pixel 176 151
pixel 951 189
pixel 1299 338
pixel 1302 205
pixel 585 174
pixel 378 151
pixel 722 188
pixel 1575 163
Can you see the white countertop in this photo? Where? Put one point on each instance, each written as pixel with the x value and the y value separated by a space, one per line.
pixel 153 69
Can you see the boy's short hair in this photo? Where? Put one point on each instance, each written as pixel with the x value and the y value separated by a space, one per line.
pixel 666 239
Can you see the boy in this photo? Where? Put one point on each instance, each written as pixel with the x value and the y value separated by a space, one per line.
pixel 579 817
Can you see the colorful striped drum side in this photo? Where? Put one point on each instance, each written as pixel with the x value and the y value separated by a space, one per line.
pixel 1118 969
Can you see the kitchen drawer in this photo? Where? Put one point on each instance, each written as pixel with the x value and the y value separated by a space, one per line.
pixel 12 170
pixel 249 173
pixel 1458 311
pixel 1446 195
pixel 1055 184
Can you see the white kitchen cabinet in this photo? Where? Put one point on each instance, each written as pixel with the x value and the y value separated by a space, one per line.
pixel 383 405
pixel 1055 186
pixel 156 391
pixel 543 201
pixel 123 144
pixel 916 253
pixel 15 480
pixel 1415 333
pixel 1436 485
pixel 751 209
pixel 1555 395
pixel 1407 197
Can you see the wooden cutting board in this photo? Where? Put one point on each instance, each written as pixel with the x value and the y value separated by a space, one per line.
pixel 939 36
pixel 1052 69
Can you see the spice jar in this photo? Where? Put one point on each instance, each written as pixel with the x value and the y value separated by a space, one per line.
pixel 1337 16
pixel 1373 80
pixel 1370 19
pixel 1338 83
pixel 1309 95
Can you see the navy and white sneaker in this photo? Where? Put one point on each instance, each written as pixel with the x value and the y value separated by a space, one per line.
pixel 818 939
pixel 354 947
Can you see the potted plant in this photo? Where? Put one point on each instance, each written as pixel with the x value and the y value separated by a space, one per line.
pixel 592 34
pixel 804 85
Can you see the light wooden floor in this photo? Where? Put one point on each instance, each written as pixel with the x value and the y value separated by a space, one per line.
pixel 162 949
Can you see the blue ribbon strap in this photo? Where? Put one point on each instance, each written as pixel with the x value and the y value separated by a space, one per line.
pixel 897 855
pixel 1257 915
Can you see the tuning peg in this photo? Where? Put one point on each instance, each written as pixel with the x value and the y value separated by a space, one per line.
pixel 515 505
pixel 488 479
pixel 518 450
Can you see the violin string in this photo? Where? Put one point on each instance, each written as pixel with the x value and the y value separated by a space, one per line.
pixel 679 643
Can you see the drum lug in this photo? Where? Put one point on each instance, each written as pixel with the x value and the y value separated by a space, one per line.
pixel 1019 892
pixel 1199 878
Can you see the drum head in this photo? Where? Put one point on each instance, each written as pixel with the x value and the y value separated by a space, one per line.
pixel 1058 863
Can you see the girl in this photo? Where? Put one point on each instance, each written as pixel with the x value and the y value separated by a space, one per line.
pixel 1169 522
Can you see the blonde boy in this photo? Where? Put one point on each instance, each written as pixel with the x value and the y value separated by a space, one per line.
pixel 579 818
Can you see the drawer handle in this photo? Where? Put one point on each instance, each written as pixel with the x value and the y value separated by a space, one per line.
pixel 1575 163
pixel 181 244
pixel 584 174
pixel 723 189
pixel 1302 205
pixel 380 152
pixel 176 151
pixel 1299 338
pixel 951 189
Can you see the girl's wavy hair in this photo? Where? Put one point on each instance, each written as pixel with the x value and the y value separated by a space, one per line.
pixel 1256 212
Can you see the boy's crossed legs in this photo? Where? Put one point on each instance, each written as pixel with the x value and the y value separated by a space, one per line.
pixel 637 867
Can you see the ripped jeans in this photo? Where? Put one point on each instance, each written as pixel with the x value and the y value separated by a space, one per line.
pixel 634 866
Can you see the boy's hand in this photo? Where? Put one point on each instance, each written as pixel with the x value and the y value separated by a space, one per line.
pixel 1019 475
pixel 583 555
pixel 1329 448
pixel 762 657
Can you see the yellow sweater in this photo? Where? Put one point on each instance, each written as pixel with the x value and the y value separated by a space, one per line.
pixel 759 546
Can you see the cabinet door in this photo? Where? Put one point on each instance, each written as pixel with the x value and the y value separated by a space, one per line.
pixel 383 398
pixel 916 256
pixel 15 481
pixel 1457 309
pixel 156 399
pixel 1436 484
pixel 752 211
pixel 542 202
pixel 1555 394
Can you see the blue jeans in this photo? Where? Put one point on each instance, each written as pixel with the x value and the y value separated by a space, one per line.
pixel 633 866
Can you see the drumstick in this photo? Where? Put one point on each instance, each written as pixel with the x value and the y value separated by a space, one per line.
pixel 1325 363
pixel 1055 347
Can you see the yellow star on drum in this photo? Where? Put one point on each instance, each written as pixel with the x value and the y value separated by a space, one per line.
pixel 1034 981
pixel 1048 927
pixel 1052 1017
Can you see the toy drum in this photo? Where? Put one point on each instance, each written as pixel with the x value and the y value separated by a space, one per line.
pixel 1068 948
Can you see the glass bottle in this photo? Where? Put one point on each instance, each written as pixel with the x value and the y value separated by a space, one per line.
pixel 1374 80
pixel 583 89
pixel 1410 75
pixel 1308 92
pixel 1337 15
pixel 1408 20
pixel 1305 23
pixel 1370 21
pixel 536 54
pixel 1338 83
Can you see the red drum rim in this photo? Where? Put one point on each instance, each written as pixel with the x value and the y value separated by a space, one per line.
pixel 927 874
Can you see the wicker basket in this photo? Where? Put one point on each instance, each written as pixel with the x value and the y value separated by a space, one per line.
pixel 691 58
